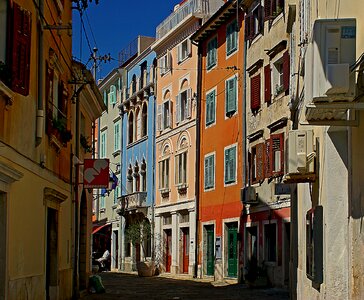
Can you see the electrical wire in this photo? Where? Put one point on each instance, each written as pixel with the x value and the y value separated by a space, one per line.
pixel 89 25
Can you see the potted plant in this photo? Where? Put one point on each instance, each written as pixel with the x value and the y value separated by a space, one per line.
pixel 139 232
pixel 85 145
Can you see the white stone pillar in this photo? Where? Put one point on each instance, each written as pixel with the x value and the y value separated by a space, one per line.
pixel 192 245
pixel 175 239
pixel 157 240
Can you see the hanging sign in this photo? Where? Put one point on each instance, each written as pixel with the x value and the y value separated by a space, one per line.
pixel 96 173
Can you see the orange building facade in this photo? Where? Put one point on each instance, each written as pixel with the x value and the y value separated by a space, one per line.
pixel 221 46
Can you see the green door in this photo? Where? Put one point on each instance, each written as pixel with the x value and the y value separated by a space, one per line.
pixel 232 251
pixel 210 250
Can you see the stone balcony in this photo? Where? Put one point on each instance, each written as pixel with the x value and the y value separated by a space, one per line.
pixel 134 201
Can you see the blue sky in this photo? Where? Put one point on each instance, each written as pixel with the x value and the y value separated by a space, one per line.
pixel 115 23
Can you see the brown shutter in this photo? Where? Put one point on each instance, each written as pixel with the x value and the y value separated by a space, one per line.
pixel 20 62
pixel 268 159
pixel 277 144
pixel 267 84
pixel 251 27
pixel 267 9
pixel 281 144
pixel 255 92
pixel 260 19
pixel 48 97
pixel 286 73
pixel 260 161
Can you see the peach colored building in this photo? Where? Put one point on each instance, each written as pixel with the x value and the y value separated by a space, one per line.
pixel 175 213
pixel 221 156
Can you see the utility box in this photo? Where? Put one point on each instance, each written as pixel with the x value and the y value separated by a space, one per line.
pixel 329 56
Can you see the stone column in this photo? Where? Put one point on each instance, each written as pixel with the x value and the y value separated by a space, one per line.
pixel 175 244
pixel 192 221
pixel 122 244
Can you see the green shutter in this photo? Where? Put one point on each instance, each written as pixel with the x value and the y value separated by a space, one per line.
pixel 211 172
pixel 232 163
pixel 105 97
pixel 206 172
pixel 231 95
pixel 226 166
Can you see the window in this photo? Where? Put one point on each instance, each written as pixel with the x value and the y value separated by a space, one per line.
pixel 184 50
pixel 105 98
pixel 267 84
pixel 255 92
pixel 112 95
pixel 211 53
pixel 164 174
pixel 164 115
pixel 257 163
pixel 138 116
pixel 103 144
pixel 231 96
pixel 272 8
pixel 183 102
pixel 278 77
pixel 209 171
pixel 167 220
pixel 181 168
pixel 165 63
pixel 210 107
pixel 117 136
pixel 231 37
pixel 15 38
pixel 230 165
pixel 277 154
pixel 270 242
pixel 102 202
pixel 131 128
pixel 254 23
pixel 314 244
pixel 144 120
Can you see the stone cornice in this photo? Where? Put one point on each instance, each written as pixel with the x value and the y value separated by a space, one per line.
pixel 9 174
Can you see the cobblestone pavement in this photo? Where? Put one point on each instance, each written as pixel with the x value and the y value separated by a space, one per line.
pixel 130 286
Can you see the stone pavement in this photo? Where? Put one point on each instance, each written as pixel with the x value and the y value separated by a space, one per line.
pixel 164 287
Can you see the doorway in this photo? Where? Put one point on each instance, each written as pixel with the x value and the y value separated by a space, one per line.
pixel 210 248
pixel 3 243
pixel 287 252
pixel 185 249
pixel 115 250
pixel 168 248
pixel 232 247
pixel 52 254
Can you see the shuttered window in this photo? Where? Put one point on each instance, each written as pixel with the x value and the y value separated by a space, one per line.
pixel 211 57
pixel 210 107
pixel 112 95
pixel 20 50
pixel 164 174
pixel 277 154
pixel 209 171
pixel 255 93
pixel 117 136
pixel 230 165
pixel 231 37
pixel 254 23
pixel 272 8
pixel 181 168
pixel 230 96
pixel 268 166
pixel 267 84
pixel 257 163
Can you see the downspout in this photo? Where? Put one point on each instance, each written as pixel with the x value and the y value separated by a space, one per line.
pixel 121 233
pixel 40 110
pixel 197 166
pixel 153 173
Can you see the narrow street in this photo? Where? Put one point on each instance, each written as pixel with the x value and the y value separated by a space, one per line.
pixel 130 286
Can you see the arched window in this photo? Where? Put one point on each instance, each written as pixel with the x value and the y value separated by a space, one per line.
pixel 143 173
pixel 131 127
pixel 136 187
pixel 138 118
pixel 144 120
pixel 133 85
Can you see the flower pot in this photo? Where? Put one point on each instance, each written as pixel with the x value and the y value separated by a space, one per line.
pixel 145 268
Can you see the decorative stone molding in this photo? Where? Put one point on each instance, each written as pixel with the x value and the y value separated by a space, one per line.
pixel 9 174
pixel 53 198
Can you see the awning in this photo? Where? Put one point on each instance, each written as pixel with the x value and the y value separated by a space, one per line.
pixel 98 228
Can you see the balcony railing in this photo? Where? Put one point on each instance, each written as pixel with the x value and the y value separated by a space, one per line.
pixel 134 200
pixel 128 52
pixel 191 7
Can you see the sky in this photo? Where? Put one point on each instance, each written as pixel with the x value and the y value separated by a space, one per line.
pixel 112 25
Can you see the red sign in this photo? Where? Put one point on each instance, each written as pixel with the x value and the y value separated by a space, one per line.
pixel 96 173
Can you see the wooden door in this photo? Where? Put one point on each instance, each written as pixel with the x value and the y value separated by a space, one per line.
pixel 168 250
pixel 185 250
pixel 210 251
pixel 232 251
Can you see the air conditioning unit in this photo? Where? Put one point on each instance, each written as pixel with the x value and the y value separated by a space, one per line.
pixel 301 156
pixel 248 195
pixel 329 56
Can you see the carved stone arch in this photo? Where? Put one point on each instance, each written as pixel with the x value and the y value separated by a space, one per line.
pixel 184 84
pixel 144 116
pixel 183 141
pixel 167 95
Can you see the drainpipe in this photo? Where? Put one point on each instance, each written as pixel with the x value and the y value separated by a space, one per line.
pixel 153 172
pixel 40 110
pixel 197 167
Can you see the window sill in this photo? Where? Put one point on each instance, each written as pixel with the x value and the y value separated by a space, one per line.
pixel 184 59
pixel 227 184
pixel 102 210
pixel 116 153
pixel 231 53
pixel 210 124
pixel 209 68
pixel 137 142
pixel 182 188
pixel 209 189
pixel 165 192
pixel 275 19
pixel 256 38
